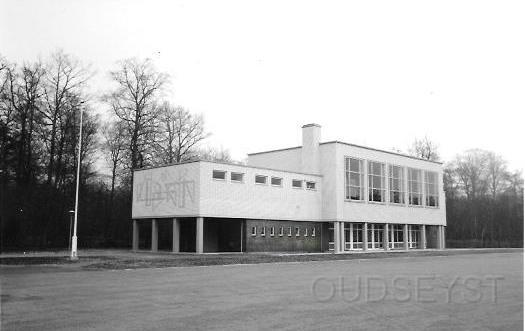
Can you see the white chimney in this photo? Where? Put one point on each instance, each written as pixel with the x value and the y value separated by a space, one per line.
pixel 310 151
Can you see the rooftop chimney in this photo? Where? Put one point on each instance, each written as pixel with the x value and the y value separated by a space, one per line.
pixel 310 150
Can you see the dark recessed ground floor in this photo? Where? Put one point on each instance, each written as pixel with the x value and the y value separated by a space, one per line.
pixel 208 235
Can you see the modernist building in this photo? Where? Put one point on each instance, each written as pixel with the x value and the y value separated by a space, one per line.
pixel 318 197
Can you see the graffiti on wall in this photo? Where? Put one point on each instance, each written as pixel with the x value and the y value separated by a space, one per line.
pixel 154 190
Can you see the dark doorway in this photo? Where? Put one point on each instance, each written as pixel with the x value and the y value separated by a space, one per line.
pixel 165 227
pixel 144 234
pixel 223 234
pixel 187 234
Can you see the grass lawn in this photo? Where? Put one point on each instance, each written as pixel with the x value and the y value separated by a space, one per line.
pixel 121 259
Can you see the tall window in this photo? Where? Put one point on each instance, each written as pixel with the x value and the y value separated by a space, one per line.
pixel 376 181
pixel 354 179
pixel 358 235
pixel 396 176
pixel 431 189
pixel 397 236
pixel 415 194
pixel 414 233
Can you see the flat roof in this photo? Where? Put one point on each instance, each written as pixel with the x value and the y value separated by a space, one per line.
pixel 229 164
pixel 353 145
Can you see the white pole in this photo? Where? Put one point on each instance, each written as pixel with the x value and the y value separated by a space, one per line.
pixel 74 239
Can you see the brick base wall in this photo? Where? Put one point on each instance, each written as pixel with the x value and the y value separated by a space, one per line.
pixel 284 243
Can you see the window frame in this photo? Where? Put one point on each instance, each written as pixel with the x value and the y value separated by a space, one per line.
pixel 426 184
pixel 276 185
pixel 414 236
pixel 314 188
pixel 237 173
pixel 357 236
pixel 263 176
pixel 402 182
pixel 297 231
pixel 297 187
pixel 361 176
pixel 281 231
pixel 263 231
pixel 382 178
pixel 420 187
pixel 397 233
pixel 254 231
pixel 219 171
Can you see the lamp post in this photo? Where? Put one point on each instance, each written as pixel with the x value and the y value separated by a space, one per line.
pixel 74 255
pixel 71 214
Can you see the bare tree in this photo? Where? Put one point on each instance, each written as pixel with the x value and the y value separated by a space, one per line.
pixel 32 91
pixel 425 149
pixel 215 154
pixel 516 183
pixel 179 133
pixel 134 102
pixel 471 169
pixel 496 172
pixel 115 143
pixel 65 78
pixel 7 113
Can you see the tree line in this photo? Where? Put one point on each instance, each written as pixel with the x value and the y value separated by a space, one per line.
pixel 132 125
pixel 484 199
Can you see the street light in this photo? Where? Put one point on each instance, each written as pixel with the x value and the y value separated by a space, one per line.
pixel 74 255
pixel 71 214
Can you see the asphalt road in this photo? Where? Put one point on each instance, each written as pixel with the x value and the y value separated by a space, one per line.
pixel 458 292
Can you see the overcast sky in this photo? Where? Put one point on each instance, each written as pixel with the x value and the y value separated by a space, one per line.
pixel 378 73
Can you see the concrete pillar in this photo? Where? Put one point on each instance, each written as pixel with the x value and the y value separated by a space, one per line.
pixel 351 236
pixel 242 234
pixel 373 235
pixel 440 237
pixel 154 236
pixel 199 240
pixel 385 238
pixel 176 236
pixel 444 245
pixel 405 236
pixel 343 236
pixel 337 237
pixel 410 239
pixel 135 235
pixel 392 235
pixel 423 236
pixel 365 236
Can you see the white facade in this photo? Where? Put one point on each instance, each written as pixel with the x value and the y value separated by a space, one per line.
pixel 335 206
pixel 342 185
pixel 189 190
